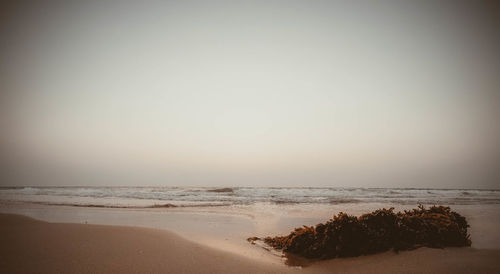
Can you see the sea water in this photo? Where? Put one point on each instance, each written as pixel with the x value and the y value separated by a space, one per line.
pixel 211 196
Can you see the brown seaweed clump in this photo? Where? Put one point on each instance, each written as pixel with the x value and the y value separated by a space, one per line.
pixel 381 230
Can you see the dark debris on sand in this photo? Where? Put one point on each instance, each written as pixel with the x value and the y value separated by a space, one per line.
pixel 381 230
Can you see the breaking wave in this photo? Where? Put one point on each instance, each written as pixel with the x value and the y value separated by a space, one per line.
pixel 147 197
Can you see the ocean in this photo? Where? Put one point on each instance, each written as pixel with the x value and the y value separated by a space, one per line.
pixel 228 196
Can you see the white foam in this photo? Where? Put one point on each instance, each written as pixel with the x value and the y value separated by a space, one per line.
pixel 188 196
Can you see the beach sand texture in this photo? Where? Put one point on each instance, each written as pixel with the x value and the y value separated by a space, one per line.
pixel 31 246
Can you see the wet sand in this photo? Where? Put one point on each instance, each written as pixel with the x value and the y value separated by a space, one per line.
pixel 30 246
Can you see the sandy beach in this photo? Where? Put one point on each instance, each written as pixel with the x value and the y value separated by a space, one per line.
pixel 30 246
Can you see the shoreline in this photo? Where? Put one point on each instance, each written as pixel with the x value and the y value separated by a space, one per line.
pixel 30 245
pixel 234 224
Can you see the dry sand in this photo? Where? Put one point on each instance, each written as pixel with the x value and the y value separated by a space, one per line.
pixel 31 246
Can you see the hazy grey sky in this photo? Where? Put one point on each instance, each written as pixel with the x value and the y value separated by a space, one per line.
pixel 297 93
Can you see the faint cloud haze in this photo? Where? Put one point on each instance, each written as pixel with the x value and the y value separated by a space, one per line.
pixel 250 93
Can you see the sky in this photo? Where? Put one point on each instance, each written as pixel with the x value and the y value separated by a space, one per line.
pixel 250 93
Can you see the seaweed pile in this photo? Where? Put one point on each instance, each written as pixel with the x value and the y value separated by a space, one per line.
pixel 381 230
